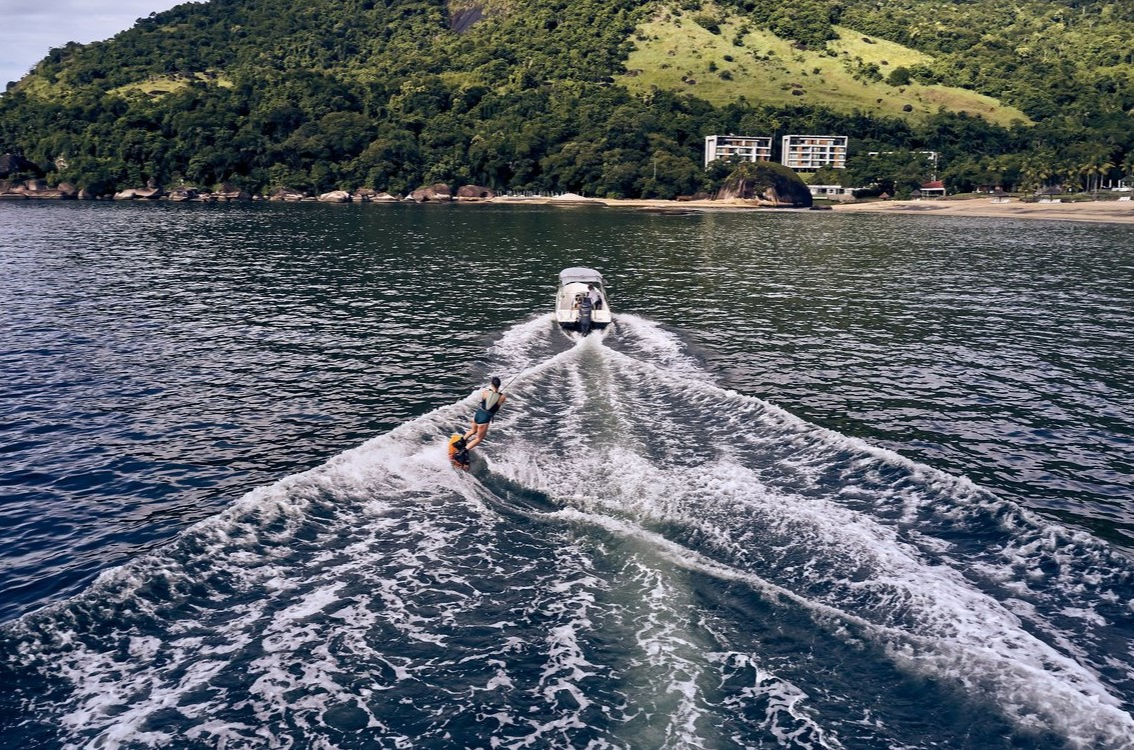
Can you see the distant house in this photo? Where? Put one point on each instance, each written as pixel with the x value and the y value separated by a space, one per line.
pixel 832 192
pixel 933 189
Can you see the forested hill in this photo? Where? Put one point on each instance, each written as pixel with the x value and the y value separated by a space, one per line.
pixel 602 97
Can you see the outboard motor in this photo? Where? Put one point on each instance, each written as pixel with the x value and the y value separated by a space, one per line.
pixel 585 315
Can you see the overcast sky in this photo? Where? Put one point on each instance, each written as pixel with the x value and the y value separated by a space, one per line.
pixel 30 28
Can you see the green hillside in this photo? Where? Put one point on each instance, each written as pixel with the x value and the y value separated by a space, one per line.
pixel 602 97
pixel 675 53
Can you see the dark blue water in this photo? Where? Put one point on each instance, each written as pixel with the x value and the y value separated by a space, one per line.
pixel 830 481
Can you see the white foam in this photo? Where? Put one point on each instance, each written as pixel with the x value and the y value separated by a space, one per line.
pixel 930 616
pixel 804 516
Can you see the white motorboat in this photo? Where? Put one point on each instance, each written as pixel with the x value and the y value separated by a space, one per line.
pixel 576 284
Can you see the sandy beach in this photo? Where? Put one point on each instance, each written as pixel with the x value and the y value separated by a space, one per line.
pixel 1111 212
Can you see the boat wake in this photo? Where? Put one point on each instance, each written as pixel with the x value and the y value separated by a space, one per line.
pixel 639 558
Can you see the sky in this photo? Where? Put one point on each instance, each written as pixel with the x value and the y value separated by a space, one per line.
pixel 31 28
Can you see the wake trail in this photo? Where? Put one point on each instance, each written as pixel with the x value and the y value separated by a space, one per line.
pixel 842 526
pixel 619 489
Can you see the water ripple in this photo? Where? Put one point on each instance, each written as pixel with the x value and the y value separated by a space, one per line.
pixel 160 360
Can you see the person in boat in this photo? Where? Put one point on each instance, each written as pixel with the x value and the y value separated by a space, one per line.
pixel 583 304
pixel 459 452
pixel 596 298
pixel 491 401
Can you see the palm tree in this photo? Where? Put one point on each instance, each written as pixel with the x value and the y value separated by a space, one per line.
pixel 1102 169
pixel 1033 176
pixel 1068 173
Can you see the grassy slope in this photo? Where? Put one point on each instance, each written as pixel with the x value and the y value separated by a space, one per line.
pixel 158 85
pixel 670 48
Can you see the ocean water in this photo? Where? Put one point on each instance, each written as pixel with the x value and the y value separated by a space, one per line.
pixel 829 481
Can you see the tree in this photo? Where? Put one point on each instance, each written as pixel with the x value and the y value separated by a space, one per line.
pixel 808 22
pixel 900 76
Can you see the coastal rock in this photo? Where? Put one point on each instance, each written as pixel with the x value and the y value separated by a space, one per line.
pixel 363 195
pixel 12 191
pixel 438 192
pixel 146 193
pixel 474 193
pixel 230 192
pixel 68 190
pixel 384 198
pixel 37 189
pixel 286 194
pixel 335 196
pixel 766 183
pixel 183 194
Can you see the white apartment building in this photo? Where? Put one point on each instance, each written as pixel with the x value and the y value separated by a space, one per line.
pixel 807 153
pixel 749 148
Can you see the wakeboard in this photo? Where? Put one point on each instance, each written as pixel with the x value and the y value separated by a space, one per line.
pixel 458 453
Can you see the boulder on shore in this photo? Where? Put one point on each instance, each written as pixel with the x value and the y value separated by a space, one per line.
pixel 230 192
pixel 384 198
pixel 474 193
pixel 335 196
pixel 183 194
pixel 768 184
pixel 286 194
pixel 12 191
pixel 146 193
pixel 438 192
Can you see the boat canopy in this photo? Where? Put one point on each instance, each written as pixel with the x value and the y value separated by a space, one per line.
pixel 580 275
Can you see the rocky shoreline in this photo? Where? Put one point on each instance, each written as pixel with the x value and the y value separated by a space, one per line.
pixel 1108 211
pixel 765 185
pixel 37 189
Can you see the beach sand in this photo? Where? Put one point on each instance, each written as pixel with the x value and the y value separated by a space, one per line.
pixel 1111 212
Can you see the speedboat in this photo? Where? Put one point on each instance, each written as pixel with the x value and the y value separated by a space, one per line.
pixel 575 284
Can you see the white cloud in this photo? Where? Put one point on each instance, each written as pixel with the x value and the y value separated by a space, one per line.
pixel 29 29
